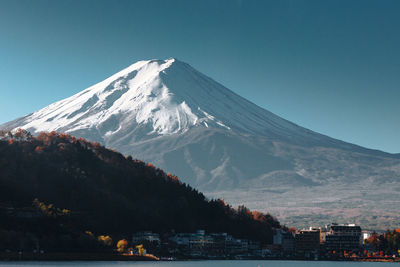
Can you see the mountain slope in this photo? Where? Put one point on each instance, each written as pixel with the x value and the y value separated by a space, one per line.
pixel 167 113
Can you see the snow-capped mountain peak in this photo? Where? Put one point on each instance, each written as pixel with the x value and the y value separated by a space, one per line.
pixel 135 96
pixel 157 97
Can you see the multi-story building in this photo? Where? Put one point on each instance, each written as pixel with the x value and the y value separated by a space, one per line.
pixel 342 237
pixel 307 241
pixel 219 248
pixel 151 241
pixel 278 236
pixel 288 243
pixel 147 236
pixel 200 244
pixel 254 247
pixel 235 246
pixel 285 240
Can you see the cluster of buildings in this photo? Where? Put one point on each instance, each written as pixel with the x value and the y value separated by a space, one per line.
pixel 313 243
pixel 198 245
pixel 331 240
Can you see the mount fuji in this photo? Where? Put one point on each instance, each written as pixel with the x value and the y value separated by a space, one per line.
pixel 167 113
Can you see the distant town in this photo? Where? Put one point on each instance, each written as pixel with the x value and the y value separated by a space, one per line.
pixel 331 242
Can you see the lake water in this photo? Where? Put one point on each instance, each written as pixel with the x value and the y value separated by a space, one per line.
pixel 223 263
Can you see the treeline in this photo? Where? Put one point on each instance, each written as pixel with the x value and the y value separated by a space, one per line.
pixel 388 243
pixel 104 193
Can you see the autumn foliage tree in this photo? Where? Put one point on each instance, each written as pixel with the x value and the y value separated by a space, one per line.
pixel 50 209
pixel 122 245
pixel 388 242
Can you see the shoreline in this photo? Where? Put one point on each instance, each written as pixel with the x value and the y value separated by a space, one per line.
pixel 29 256
pixel 88 256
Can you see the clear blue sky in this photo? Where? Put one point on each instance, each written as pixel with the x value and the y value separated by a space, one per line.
pixel 330 66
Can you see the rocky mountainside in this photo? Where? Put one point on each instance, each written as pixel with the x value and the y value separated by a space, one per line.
pixel 167 113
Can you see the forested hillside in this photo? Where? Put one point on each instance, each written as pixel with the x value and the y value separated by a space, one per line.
pixel 64 192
